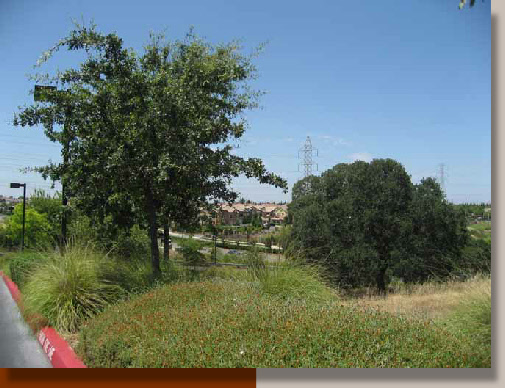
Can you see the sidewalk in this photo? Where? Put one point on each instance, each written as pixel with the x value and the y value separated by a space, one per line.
pixel 18 346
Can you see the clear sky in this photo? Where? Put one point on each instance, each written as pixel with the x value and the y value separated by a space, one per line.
pixel 402 79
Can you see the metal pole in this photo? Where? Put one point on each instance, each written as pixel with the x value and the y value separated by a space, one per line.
pixel 24 207
pixel 214 237
pixel 63 182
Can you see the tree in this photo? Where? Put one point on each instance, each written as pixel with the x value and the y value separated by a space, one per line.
pixel 438 234
pixel 365 221
pixel 463 2
pixel 147 132
pixel 50 206
pixel 37 228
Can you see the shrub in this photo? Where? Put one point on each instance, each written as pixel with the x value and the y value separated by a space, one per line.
pixel 190 251
pixel 476 257
pixel 51 208
pixel 37 228
pixel 132 275
pixel 68 289
pixel 132 243
pixel 5 240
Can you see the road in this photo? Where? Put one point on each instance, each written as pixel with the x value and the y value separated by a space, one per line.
pixel 18 346
pixel 203 238
pixel 271 257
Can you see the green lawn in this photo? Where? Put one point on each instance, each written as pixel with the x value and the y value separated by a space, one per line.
pixel 481 226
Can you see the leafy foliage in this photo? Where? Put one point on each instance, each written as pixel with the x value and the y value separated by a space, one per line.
pixel 51 207
pixel 37 228
pixel 366 221
pixel 145 134
pixel 438 235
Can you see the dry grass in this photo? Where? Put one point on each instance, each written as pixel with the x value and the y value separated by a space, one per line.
pixel 431 301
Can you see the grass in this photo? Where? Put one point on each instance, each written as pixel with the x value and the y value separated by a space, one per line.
pixel 280 315
pixel 461 308
pixel 482 226
pixel 428 301
pixel 234 324
pixel 471 319
pixel 481 231
pixel 66 290
pixel 5 258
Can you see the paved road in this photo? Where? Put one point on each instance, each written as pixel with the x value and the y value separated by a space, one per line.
pixel 18 346
pixel 270 257
pixel 203 238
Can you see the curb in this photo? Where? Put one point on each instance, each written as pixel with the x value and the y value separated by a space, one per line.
pixel 59 352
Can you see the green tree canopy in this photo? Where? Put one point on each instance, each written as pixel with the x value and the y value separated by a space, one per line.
pixel 147 134
pixel 37 228
pixel 51 207
pixel 364 221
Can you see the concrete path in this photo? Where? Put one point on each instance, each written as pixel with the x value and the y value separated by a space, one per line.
pixel 18 346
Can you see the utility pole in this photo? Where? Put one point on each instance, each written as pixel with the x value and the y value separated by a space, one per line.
pixel 64 193
pixel 308 151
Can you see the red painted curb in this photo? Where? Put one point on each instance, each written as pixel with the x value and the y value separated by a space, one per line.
pixel 58 351
pixel 14 290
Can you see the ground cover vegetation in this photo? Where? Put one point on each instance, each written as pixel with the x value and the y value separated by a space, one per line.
pixel 227 323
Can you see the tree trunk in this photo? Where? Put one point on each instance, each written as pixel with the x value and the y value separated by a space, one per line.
pixel 381 281
pixel 153 235
pixel 166 245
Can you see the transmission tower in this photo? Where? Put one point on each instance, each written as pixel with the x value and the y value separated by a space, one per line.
pixel 308 151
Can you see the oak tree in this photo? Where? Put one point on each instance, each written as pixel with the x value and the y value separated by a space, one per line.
pixel 147 134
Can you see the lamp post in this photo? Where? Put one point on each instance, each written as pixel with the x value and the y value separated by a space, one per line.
pixel 40 95
pixel 17 186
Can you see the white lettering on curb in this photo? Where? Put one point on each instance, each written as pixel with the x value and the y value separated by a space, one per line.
pixel 50 353
pixel 42 337
pixel 46 345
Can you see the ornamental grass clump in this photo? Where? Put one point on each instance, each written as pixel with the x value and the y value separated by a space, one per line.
pixel 287 280
pixel 67 289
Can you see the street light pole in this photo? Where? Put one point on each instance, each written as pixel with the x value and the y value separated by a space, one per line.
pixel 17 186
pixel 24 212
pixel 40 94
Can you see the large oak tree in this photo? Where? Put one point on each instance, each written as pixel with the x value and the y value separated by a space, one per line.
pixel 146 135
pixel 363 221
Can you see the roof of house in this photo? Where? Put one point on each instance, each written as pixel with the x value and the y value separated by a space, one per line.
pixel 266 207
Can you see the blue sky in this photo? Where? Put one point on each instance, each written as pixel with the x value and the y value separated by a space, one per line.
pixel 402 79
